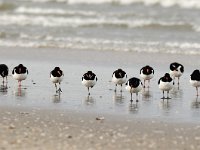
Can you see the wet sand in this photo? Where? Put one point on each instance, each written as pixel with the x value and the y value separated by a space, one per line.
pixel 56 129
pixel 34 117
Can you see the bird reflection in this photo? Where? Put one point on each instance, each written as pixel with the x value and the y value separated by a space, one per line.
pixel 89 100
pixel 146 94
pixel 196 103
pixel 177 92
pixel 165 104
pixel 56 98
pixel 133 108
pixel 118 98
pixel 3 89
pixel 21 92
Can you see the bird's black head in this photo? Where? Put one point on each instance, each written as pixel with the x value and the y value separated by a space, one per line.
pixel 147 70
pixel 20 65
pixel 57 68
pixel 134 82
pixel 196 72
pixel 89 72
pixel 174 66
pixel 195 75
pixel 167 77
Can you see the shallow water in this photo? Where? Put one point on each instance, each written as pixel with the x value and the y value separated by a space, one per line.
pixel 38 92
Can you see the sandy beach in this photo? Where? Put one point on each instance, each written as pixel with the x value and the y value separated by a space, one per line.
pixel 34 117
pixel 23 128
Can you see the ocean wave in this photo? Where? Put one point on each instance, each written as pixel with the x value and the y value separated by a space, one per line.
pixel 52 11
pixel 164 3
pixel 77 21
pixel 81 43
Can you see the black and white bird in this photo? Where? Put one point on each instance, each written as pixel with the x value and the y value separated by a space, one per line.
pixel 4 71
pixel 147 73
pixel 176 70
pixel 56 76
pixel 134 85
pixel 165 83
pixel 20 73
pixel 195 80
pixel 89 79
pixel 119 78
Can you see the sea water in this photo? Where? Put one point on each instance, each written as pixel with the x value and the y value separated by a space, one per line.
pixel 154 26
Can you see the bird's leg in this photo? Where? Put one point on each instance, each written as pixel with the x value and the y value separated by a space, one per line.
pixel 163 96
pixel 56 87
pixel 197 91
pixel 148 83
pixel 144 84
pixel 88 91
pixel 59 90
pixel 19 83
pixel 121 88
pixel 168 95
pixel 115 88
pixel 6 81
pixel 173 80
pixel 178 82
pixel 131 98
pixel 137 98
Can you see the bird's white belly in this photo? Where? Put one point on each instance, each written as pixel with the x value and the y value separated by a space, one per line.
pixel 118 80
pixel 134 90
pixel 175 73
pixel 165 86
pixel 88 83
pixel 56 79
pixel 146 77
pixel 195 83
pixel 19 77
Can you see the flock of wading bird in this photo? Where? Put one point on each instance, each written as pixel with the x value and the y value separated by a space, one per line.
pixel 119 77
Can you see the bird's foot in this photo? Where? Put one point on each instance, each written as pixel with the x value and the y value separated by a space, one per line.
pixel 168 98
pixel 59 90
pixel 137 101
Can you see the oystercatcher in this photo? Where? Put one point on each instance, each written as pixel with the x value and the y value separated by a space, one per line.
pixel 4 71
pixel 195 79
pixel 20 73
pixel 89 79
pixel 165 83
pixel 134 85
pixel 56 76
pixel 119 77
pixel 146 73
pixel 176 70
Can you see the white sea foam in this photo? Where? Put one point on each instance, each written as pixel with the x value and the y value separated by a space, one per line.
pixel 164 3
pixel 102 44
pixel 77 21
pixel 52 11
